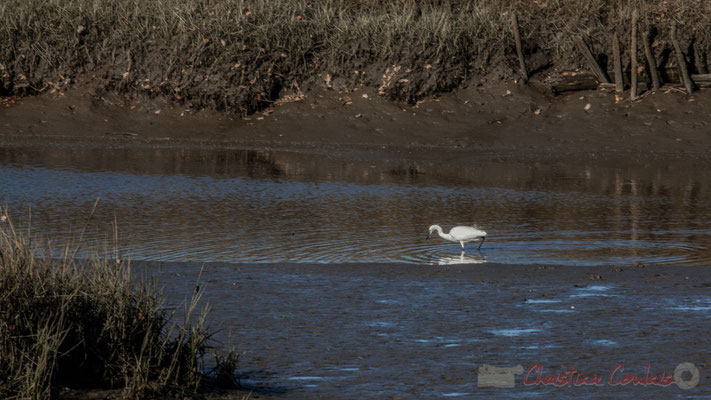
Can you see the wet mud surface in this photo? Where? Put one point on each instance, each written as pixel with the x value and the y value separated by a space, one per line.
pixel 407 331
pixel 504 123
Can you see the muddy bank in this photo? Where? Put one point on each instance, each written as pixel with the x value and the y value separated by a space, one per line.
pixel 389 330
pixel 506 122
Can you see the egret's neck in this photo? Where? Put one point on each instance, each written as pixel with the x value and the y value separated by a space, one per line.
pixel 443 235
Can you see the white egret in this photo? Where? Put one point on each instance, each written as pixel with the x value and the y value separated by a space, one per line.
pixel 461 234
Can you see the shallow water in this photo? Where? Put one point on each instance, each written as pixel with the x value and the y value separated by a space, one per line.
pixel 406 331
pixel 248 206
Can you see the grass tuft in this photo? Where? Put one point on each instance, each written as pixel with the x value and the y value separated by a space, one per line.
pixel 85 324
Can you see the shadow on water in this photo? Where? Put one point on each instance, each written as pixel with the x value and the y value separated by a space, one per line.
pixel 264 206
pixel 255 382
pixel 265 164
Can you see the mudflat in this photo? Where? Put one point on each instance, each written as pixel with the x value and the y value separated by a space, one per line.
pixel 420 331
pixel 504 122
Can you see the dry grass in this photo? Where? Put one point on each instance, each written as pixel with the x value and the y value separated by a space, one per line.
pixel 87 324
pixel 242 55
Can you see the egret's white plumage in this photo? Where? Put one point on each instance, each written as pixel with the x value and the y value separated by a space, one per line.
pixel 461 234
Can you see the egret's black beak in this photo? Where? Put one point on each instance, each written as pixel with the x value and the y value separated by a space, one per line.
pixel 428 235
pixel 482 242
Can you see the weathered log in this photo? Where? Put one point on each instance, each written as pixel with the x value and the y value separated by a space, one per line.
pixel 619 83
pixel 633 56
pixel 570 82
pixel 651 62
pixel 686 79
pixel 702 80
pixel 519 47
pixel 573 82
pixel 594 66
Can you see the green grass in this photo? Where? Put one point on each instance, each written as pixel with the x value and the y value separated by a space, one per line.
pixel 241 55
pixel 87 324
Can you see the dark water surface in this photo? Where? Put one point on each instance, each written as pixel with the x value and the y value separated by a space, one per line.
pixel 256 206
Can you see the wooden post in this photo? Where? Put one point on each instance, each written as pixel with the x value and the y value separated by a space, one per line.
pixel 591 60
pixel 686 79
pixel 650 59
pixel 633 56
pixel 519 47
pixel 619 83
pixel 700 61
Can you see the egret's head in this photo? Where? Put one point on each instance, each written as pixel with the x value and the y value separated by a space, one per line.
pixel 432 229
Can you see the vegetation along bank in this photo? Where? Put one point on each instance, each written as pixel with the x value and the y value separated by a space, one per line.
pixel 243 55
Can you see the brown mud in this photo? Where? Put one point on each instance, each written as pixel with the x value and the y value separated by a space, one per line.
pixel 506 122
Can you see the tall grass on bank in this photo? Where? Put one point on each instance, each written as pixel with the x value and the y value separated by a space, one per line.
pixel 85 324
pixel 241 55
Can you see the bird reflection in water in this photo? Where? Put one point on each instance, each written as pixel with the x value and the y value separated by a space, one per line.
pixel 462 259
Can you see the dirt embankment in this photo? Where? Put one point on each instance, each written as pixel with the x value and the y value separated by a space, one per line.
pixel 493 123
pixel 410 79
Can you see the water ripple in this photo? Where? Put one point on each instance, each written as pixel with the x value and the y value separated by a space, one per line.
pixel 240 219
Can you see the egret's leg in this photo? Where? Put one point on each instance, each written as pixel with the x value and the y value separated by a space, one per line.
pixel 482 242
pixel 462 244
